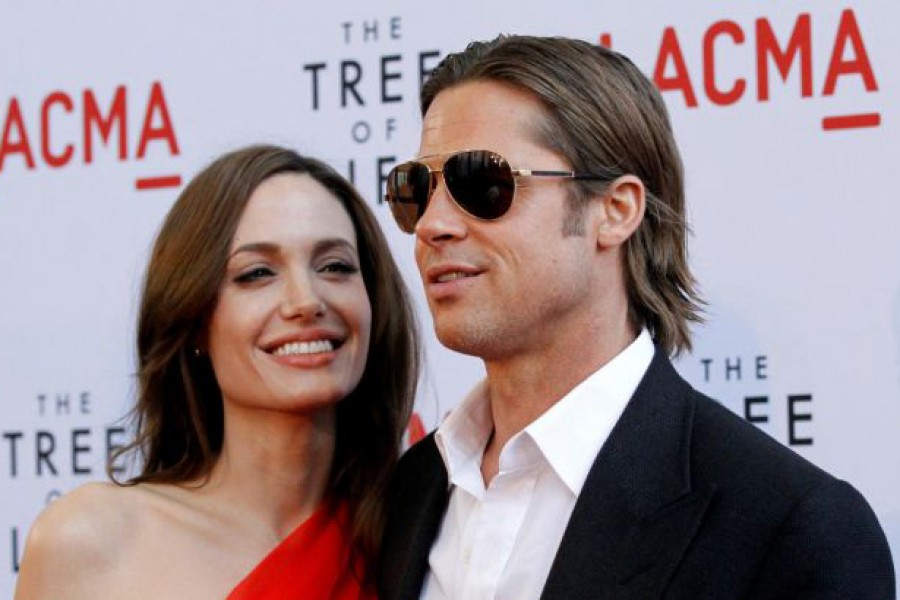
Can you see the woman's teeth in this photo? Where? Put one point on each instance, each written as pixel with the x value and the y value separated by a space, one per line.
pixel 314 347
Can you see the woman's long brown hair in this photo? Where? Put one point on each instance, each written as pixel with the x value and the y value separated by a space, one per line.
pixel 178 414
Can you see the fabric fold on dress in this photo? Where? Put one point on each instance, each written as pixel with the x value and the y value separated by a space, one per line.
pixel 313 562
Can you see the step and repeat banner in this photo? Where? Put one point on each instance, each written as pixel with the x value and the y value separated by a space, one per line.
pixel 786 114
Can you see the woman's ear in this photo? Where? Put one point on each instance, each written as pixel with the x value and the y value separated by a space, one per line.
pixel 200 345
pixel 621 211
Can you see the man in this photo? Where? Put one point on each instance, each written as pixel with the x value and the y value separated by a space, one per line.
pixel 548 211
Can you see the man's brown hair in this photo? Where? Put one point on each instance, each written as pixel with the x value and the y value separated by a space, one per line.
pixel 604 116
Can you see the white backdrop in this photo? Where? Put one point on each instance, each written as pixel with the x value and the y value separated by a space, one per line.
pixel 787 116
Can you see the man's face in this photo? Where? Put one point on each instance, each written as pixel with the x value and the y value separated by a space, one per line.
pixel 514 286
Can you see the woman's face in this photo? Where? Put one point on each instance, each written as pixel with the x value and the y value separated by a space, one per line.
pixel 290 330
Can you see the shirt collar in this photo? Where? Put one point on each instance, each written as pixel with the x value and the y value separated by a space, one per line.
pixel 569 434
pixel 462 437
pixel 572 431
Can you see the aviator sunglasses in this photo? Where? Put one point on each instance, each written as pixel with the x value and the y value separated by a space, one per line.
pixel 480 182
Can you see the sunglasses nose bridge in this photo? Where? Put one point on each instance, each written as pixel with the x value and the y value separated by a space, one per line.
pixel 435 179
pixel 433 183
pixel 440 219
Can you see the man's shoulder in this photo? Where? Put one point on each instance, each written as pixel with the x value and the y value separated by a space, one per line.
pixel 425 450
pixel 798 526
pixel 752 472
pixel 813 530
pixel 420 463
pixel 779 493
pixel 726 446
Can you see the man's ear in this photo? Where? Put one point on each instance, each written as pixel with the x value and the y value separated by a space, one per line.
pixel 620 212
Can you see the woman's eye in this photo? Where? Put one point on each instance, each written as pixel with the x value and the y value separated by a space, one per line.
pixel 339 266
pixel 254 274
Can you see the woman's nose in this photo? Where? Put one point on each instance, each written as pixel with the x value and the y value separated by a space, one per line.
pixel 301 301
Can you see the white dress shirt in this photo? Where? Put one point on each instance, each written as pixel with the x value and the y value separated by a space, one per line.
pixel 499 542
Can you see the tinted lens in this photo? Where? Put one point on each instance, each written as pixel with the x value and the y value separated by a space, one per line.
pixel 481 182
pixel 408 188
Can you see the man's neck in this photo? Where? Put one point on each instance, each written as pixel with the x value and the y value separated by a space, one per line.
pixel 523 388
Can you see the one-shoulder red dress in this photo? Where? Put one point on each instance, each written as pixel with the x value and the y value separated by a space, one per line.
pixel 313 562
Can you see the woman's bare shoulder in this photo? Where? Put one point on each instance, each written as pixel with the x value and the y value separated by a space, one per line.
pixel 76 539
pixel 86 519
pixel 108 541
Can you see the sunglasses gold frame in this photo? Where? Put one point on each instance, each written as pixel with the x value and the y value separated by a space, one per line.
pixel 407 220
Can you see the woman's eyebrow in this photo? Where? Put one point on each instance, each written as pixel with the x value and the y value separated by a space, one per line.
pixel 320 246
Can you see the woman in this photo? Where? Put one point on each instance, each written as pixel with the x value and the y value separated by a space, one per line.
pixel 277 368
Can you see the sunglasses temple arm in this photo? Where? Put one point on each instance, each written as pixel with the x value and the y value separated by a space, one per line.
pixel 569 174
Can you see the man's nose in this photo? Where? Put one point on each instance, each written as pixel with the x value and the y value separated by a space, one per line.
pixel 442 220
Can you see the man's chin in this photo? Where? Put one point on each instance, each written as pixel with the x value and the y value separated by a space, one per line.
pixel 464 337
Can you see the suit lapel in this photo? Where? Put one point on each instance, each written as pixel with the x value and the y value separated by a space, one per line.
pixel 423 523
pixel 636 513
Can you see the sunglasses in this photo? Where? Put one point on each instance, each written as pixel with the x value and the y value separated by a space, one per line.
pixel 480 182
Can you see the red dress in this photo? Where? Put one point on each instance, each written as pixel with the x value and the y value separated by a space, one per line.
pixel 313 562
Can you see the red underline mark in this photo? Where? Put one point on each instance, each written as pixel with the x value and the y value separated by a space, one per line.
pixel 851 121
pixel 154 183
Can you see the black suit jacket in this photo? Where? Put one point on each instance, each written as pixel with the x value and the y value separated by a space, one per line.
pixel 685 500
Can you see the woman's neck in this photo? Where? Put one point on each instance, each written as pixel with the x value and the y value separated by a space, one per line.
pixel 273 467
